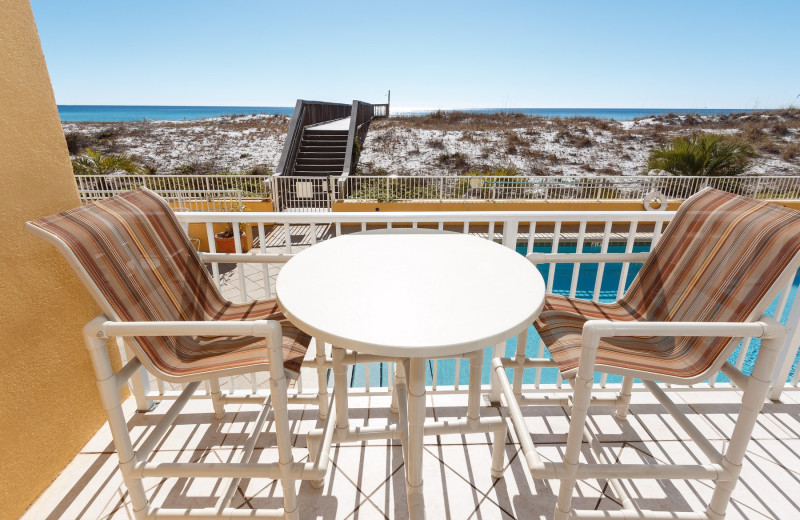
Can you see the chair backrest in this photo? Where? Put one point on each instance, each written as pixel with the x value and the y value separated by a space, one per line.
pixel 720 259
pixel 139 265
pixel 136 254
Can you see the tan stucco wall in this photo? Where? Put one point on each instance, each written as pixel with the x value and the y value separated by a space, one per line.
pixel 48 398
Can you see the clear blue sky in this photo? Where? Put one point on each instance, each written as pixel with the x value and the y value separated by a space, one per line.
pixel 666 54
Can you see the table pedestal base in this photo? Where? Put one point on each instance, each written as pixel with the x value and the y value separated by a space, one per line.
pixel 411 429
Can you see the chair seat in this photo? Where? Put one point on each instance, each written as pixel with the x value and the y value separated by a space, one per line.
pixel 196 355
pixel 560 325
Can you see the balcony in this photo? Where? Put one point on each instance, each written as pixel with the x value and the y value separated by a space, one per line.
pixel 367 481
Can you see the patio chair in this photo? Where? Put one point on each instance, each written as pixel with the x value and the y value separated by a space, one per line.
pixel 133 256
pixel 706 284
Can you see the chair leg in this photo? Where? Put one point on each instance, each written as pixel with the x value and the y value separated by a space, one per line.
pixel 624 398
pixel 322 380
pixel 216 399
pixel 474 412
pixel 139 383
pixel 109 396
pixel 752 403
pixel 339 401
pixel 278 387
pixel 580 406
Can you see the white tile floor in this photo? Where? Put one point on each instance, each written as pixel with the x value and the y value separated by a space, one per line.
pixel 366 480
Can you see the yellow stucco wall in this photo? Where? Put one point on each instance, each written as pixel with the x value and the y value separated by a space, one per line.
pixel 199 232
pixel 49 399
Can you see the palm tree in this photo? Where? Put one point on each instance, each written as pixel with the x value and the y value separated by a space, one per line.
pixel 702 154
pixel 91 162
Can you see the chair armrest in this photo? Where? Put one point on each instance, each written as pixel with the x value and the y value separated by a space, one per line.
pixel 244 258
pixel 257 328
pixel 765 328
pixel 569 258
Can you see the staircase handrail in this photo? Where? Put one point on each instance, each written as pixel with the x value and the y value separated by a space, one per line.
pixel 360 116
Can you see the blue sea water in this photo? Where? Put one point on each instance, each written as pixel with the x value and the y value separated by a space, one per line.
pixel 109 113
pixel 619 114
pixel 445 369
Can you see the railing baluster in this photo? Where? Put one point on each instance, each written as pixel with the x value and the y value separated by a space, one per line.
pixel 656 234
pixel 262 243
pixel 576 267
pixel 531 236
pixel 601 266
pixel 212 247
pixel 551 271
pixel 237 241
pixel 623 277
pixel 288 237
pixel 312 229
pixel 742 355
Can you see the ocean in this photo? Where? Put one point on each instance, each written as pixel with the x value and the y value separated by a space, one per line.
pixel 103 113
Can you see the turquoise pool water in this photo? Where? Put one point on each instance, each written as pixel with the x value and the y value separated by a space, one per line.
pixel 445 369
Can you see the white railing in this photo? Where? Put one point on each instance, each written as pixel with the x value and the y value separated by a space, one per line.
pixel 317 193
pixel 281 235
pixel 597 188
pixel 251 186
pixel 183 200
pixel 307 193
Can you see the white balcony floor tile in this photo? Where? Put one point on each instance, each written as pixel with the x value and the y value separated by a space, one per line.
pixel 367 480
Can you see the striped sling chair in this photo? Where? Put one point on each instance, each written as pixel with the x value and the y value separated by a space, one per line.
pixel 135 259
pixel 704 286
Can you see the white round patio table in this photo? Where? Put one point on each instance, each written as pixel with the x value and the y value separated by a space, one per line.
pixel 410 296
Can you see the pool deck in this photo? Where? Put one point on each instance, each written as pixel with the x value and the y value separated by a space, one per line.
pixel 366 479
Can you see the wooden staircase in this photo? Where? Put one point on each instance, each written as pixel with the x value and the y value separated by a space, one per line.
pixel 321 152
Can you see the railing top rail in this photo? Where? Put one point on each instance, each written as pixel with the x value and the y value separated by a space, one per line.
pixel 167 190
pixel 432 216
pixel 124 176
pixel 327 103
pixel 548 178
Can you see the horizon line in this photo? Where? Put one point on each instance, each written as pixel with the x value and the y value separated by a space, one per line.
pixel 437 108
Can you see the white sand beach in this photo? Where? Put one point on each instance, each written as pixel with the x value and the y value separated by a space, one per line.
pixel 447 143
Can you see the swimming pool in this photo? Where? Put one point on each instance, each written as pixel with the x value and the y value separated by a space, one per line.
pixel 445 369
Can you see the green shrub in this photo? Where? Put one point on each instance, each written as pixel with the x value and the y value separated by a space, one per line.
pixel 91 162
pixel 702 155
